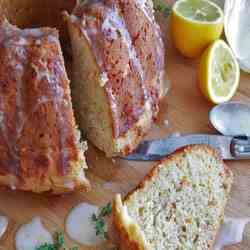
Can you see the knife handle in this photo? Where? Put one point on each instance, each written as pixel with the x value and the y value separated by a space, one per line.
pixel 240 147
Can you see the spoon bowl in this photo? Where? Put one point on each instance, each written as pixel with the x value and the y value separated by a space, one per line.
pixel 231 118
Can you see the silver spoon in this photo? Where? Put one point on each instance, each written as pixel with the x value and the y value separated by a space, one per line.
pixel 232 118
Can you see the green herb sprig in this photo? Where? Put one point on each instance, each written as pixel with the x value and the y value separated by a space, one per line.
pixel 59 244
pixel 99 222
pixel 106 210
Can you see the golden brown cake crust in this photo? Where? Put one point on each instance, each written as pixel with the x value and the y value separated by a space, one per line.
pixel 38 143
pixel 130 54
pixel 125 241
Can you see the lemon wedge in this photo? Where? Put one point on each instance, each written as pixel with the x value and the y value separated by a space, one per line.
pixel 194 25
pixel 219 73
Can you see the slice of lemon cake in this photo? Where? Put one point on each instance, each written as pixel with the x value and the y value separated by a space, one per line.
pixel 179 204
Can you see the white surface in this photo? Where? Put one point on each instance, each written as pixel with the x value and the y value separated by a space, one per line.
pixel 231 232
pixel 32 235
pixel 79 225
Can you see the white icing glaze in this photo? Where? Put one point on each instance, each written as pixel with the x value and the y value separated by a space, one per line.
pixel 40 101
pixel 103 79
pixel 231 232
pixel 117 23
pixel 22 41
pixel 79 226
pixel 52 38
pixel 18 72
pixel 114 22
pixel 38 42
pixel 32 235
pixel 166 122
pixel 3 225
pixel 43 71
pixel 20 51
pixel 109 30
pixel 147 8
pixel 69 184
pixel 111 24
pixel 33 32
pixel 16 42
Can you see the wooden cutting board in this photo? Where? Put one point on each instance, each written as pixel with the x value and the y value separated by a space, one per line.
pixel 183 110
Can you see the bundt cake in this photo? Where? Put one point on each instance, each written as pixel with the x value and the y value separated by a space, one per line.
pixel 40 148
pixel 179 205
pixel 37 13
pixel 118 67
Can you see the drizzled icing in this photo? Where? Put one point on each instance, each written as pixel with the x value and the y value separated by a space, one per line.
pixel 103 79
pixel 109 29
pixel 58 94
pixel 126 88
pixel 148 10
pixel 17 53
pixel 150 47
pixel 114 22
pixel 25 59
pixel 131 50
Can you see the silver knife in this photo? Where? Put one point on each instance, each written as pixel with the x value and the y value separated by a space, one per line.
pixel 229 147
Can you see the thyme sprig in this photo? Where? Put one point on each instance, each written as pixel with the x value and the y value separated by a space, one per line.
pixel 59 244
pixel 99 222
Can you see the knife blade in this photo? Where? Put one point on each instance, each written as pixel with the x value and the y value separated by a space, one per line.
pixel 228 147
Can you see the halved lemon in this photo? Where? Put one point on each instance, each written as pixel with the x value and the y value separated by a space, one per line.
pixel 195 24
pixel 219 73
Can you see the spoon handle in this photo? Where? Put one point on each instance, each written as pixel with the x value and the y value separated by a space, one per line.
pixel 240 147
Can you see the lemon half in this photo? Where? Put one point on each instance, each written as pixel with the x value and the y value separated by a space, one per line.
pixel 219 73
pixel 195 24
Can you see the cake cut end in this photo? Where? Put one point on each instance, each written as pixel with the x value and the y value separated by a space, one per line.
pixel 180 203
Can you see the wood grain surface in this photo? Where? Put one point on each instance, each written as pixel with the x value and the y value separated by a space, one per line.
pixel 185 111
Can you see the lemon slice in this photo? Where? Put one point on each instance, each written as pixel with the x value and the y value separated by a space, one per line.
pixel 219 73
pixel 195 24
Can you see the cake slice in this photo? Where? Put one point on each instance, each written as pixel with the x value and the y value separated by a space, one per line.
pixel 118 65
pixel 179 205
pixel 40 148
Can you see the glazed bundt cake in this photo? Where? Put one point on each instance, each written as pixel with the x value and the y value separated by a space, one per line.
pixel 37 13
pixel 40 148
pixel 118 69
